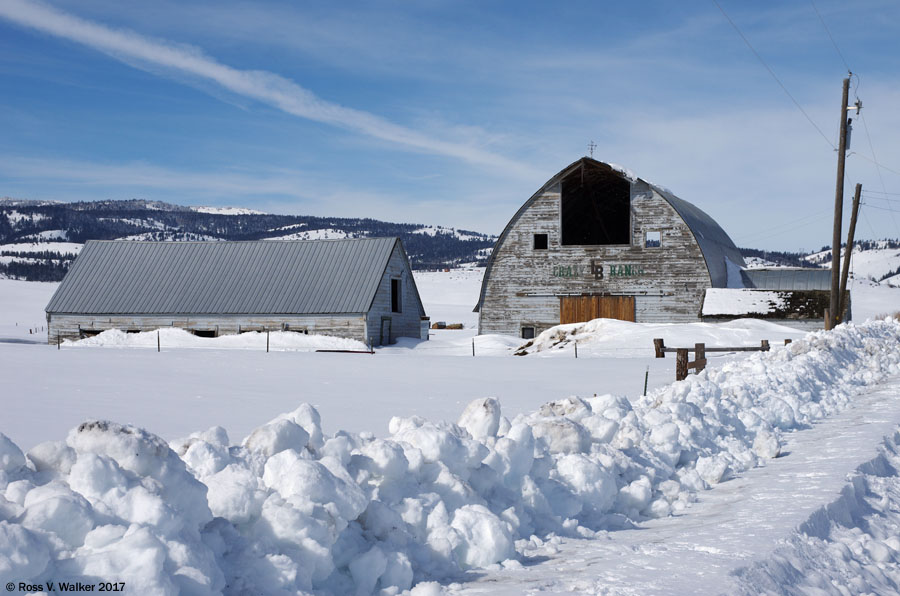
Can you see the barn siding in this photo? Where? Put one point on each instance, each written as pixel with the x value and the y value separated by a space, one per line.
pixel 523 288
pixel 406 323
pixel 69 326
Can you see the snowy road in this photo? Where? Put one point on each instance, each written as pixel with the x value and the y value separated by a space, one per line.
pixel 732 526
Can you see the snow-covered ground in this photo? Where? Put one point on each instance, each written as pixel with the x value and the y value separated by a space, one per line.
pixel 227 210
pixel 596 494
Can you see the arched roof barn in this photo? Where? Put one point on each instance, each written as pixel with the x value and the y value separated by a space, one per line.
pixel 596 240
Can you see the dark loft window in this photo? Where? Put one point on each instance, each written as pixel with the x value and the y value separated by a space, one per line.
pixel 596 207
pixel 540 242
pixel 395 295
pixel 527 332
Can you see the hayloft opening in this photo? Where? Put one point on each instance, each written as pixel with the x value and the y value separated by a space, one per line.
pixel 596 207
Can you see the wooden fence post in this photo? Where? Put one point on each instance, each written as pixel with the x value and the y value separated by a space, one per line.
pixel 267 341
pixel 764 345
pixel 576 348
pixel 787 341
pixel 699 356
pixel 659 346
pixel 157 341
pixel 681 364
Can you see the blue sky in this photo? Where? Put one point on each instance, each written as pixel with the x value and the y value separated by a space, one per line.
pixel 451 113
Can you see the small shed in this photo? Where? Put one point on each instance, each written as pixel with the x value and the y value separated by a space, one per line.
pixel 791 296
pixel 360 288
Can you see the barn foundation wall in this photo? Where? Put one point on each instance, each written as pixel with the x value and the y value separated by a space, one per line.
pixel 73 326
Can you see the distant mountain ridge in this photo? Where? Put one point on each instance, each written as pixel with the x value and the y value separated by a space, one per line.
pixel 39 239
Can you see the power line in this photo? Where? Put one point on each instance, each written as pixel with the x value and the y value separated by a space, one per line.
pixel 787 227
pixel 877 198
pixel 866 218
pixel 883 208
pixel 828 31
pixel 774 76
pixel 896 194
pixel 869 159
pixel 790 224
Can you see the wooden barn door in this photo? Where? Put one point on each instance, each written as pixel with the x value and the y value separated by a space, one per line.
pixel 577 309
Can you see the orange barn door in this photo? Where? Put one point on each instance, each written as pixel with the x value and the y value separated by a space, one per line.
pixel 577 309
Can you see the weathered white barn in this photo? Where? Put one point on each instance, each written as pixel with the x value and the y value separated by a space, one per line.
pixel 596 242
pixel 359 288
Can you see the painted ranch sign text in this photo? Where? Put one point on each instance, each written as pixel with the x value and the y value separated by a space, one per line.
pixel 597 270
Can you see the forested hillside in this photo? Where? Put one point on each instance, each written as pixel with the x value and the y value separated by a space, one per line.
pixel 39 239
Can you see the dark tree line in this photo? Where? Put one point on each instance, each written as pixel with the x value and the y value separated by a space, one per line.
pixel 786 259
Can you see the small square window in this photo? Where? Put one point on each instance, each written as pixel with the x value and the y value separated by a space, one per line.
pixel 527 332
pixel 540 242
pixel 653 239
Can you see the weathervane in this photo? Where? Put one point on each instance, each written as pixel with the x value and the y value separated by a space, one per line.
pixel 591 147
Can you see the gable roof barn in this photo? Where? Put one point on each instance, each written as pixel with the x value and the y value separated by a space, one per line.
pixel 260 277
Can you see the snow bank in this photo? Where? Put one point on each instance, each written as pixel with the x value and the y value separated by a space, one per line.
pixel 611 337
pixel 170 337
pixel 849 546
pixel 292 510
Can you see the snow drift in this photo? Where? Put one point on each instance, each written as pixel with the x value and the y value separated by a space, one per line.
pixel 293 510
pixel 173 337
pixel 849 546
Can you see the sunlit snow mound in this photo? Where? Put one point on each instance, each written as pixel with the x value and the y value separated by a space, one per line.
pixel 614 338
pixel 292 510
pixel 172 337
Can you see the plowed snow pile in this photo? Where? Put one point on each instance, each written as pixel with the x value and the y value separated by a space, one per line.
pixel 291 509
pixel 251 340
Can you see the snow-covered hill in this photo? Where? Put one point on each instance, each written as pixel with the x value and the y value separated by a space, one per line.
pixel 45 224
pixel 877 261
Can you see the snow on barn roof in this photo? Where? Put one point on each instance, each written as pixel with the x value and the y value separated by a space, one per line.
pixel 738 302
pixel 258 277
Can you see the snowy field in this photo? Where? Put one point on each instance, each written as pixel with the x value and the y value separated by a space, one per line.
pixel 232 382
pixel 768 473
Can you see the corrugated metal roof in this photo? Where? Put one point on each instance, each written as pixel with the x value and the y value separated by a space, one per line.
pixel 714 243
pixel 788 279
pixel 262 277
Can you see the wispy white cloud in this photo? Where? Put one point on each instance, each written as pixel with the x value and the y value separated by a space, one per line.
pixel 140 178
pixel 272 189
pixel 263 86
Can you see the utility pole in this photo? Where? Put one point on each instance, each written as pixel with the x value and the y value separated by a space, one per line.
pixel 834 310
pixel 846 269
